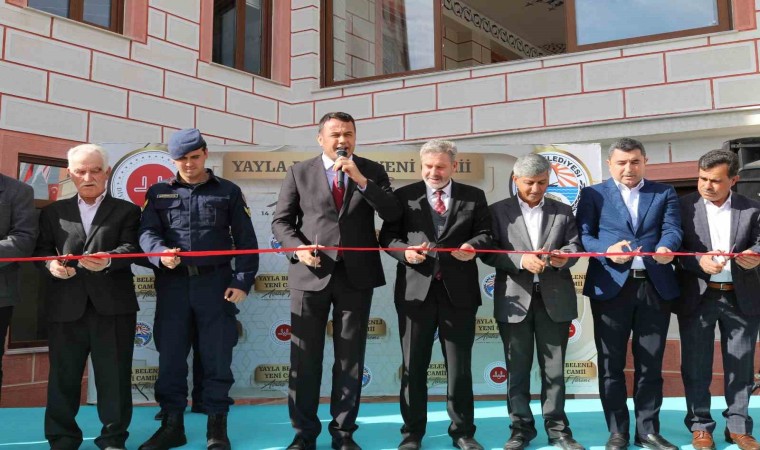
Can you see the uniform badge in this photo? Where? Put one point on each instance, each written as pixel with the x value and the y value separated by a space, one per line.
pixel 167 196
pixel 245 206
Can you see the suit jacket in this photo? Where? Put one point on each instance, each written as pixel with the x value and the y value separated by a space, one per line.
pixel 468 221
pixel 306 211
pixel 745 234
pixel 513 285
pixel 603 220
pixel 18 233
pixel 113 230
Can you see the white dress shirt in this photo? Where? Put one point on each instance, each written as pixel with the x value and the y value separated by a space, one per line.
pixel 533 218
pixel 631 200
pixel 87 212
pixel 719 223
pixel 445 196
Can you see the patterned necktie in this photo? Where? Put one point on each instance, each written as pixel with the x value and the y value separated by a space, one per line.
pixel 439 206
pixel 338 192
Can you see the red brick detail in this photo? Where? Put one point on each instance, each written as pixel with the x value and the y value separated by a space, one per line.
pixel 743 14
pixel 672 171
pixel 25 395
pixel 206 32
pixel 136 20
pixel 21 3
pixel 12 143
pixel 17 369
pixel 41 367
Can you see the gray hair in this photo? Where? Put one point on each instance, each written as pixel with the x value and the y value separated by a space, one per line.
pixel 88 148
pixel 717 157
pixel 531 165
pixel 439 146
pixel 626 145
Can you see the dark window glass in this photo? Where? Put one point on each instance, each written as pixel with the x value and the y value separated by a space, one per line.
pixel 97 12
pixel 102 13
pixel 57 7
pixel 242 34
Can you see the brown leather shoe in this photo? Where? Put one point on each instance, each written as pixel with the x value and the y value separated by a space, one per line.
pixel 702 440
pixel 743 441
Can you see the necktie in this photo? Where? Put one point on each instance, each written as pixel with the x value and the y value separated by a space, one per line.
pixel 439 206
pixel 338 192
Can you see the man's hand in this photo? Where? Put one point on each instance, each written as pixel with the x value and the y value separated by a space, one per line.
pixel 465 253
pixel 346 165
pixel 620 247
pixel 234 295
pixel 748 259
pixel 663 259
pixel 416 254
pixel 171 260
pixel 60 270
pixel 533 263
pixel 94 263
pixel 307 255
pixel 557 260
pixel 712 265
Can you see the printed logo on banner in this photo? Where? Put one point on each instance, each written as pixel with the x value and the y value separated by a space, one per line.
pixel 276 245
pixel 279 332
pixel 271 377
pixel 143 334
pixel 495 374
pixel 576 330
pixel 580 372
pixel 568 175
pixel 366 377
pixel 487 285
pixel 272 286
pixel 486 329
pixel 133 174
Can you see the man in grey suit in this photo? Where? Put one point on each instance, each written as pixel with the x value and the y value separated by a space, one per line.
pixel 534 299
pixel 722 290
pixel 18 234
pixel 331 200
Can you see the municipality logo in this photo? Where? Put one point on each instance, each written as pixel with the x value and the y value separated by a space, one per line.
pixel 279 332
pixel 366 377
pixel 575 331
pixel 143 334
pixel 487 285
pixel 133 174
pixel 567 176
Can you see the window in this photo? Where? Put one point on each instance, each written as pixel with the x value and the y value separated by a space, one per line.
pixel 372 39
pixel 50 181
pixel 605 23
pixel 242 30
pixel 107 14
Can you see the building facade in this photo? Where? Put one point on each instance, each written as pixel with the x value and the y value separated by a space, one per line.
pixel 407 71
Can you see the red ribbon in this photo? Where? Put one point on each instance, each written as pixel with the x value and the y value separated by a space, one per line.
pixel 192 254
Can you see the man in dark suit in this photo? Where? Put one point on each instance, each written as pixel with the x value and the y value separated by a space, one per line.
pixel 717 289
pixel 437 290
pixel 534 299
pixel 93 307
pixel 18 232
pixel 331 200
pixel 630 294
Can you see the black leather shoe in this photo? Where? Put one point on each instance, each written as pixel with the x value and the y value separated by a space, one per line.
pixel 517 442
pixel 216 433
pixel 410 443
pixel 467 443
pixel 171 434
pixel 346 443
pixel 617 441
pixel 300 443
pixel 566 443
pixel 654 441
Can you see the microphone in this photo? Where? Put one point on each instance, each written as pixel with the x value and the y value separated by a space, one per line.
pixel 341 151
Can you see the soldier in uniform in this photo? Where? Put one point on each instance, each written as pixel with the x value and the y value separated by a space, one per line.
pixel 196 211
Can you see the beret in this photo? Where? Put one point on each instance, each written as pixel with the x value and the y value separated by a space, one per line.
pixel 185 141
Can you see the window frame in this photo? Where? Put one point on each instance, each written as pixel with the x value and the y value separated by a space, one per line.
pixel 21 346
pixel 327 70
pixel 724 24
pixel 266 35
pixel 76 13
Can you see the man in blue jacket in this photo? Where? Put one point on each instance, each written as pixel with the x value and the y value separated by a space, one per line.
pixel 630 295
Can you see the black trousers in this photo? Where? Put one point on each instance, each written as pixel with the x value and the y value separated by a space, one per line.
pixel 550 338
pixel 456 332
pixel 109 340
pixel 738 334
pixel 309 312
pixel 6 312
pixel 638 311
